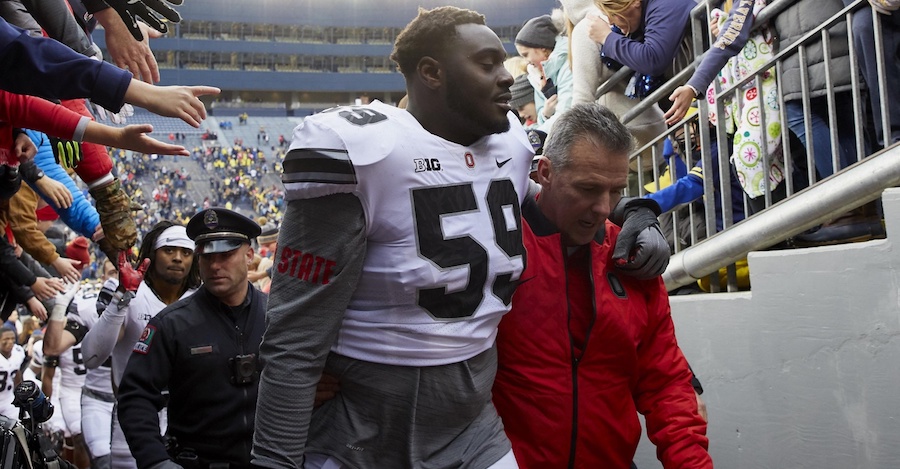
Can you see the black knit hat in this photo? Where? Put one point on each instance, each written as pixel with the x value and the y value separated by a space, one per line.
pixel 522 92
pixel 538 32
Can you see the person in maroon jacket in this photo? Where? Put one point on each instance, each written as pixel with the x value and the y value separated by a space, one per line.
pixel 585 348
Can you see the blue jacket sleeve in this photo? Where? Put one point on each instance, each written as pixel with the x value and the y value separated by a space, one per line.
pixel 732 37
pixel 684 190
pixel 46 68
pixel 81 216
pixel 663 28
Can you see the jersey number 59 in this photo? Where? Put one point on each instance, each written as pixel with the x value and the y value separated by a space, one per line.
pixel 430 205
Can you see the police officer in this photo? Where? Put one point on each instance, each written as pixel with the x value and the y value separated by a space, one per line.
pixel 204 350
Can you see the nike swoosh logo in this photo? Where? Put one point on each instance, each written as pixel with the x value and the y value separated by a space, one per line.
pixel 501 163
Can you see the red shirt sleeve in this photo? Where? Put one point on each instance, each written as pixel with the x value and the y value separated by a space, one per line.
pixel 34 113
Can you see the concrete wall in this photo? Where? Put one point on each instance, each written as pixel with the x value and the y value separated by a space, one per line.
pixel 804 371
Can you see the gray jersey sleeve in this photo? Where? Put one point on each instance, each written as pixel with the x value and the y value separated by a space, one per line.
pixel 303 318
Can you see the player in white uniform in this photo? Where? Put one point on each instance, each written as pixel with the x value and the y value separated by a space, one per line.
pixel 95 408
pixel 398 254
pixel 171 275
pixel 63 372
pixel 97 398
pixel 12 356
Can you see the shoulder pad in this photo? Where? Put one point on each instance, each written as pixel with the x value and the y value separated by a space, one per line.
pixel 367 133
pixel 328 147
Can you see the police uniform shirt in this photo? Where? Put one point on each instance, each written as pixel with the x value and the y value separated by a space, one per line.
pixel 187 348
pixel 443 230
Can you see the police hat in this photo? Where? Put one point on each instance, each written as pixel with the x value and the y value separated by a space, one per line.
pixel 221 230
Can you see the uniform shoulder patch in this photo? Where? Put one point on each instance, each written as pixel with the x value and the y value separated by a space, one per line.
pixel 142 346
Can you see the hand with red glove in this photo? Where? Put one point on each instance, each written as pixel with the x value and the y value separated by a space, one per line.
pixel 129 278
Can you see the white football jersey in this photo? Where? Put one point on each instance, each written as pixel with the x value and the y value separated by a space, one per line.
pixel 444 241
pixel 83 310
pixel 9 369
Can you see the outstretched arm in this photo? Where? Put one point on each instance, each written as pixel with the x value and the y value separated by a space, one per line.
pixel 180 102
pixel 731 38
pixel 100 341
pixel 44 67
pixel 130 137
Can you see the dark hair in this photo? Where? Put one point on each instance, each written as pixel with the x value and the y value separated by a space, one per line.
pixel 428 34
pixel 6 329
pixel 146 252
pixel 586 121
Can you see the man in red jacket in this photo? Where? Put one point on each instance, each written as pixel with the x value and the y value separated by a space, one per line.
pixel 585 348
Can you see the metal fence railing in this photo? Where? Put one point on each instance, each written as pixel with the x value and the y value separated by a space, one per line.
pixel 699 252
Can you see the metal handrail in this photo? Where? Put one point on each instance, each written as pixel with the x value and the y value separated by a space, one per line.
pixel 855 185
pixel 847 189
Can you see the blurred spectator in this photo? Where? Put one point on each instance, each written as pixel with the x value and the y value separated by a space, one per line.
pixel 540 42
pixel 523 101
pixel 646 39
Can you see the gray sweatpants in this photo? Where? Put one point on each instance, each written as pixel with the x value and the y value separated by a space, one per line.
pixel 411 417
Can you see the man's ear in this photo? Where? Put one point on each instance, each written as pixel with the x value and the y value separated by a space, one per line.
pixel 250 253
pixel 430 72
pixel 544 172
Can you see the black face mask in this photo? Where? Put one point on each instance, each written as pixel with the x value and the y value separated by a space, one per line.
pixel 10 181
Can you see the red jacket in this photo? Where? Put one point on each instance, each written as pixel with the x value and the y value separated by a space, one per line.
pixel 560 411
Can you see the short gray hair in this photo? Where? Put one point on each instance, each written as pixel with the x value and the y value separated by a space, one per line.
pixel 589 121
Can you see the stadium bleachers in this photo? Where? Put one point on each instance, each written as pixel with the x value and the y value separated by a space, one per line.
pixel 162 126
pixel 274 126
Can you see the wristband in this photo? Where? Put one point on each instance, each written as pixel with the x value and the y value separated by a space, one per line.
pixel 58 313
pixel 51 361
pixel 123 299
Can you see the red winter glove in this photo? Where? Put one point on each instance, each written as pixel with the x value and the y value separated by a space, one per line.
pixel 130 279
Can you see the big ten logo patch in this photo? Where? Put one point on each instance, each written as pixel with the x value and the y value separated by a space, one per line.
pixel 305 266
pixel 427 164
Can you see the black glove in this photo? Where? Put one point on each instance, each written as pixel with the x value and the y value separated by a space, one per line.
pixel 66 152
pixel 641 249
pixel 130 10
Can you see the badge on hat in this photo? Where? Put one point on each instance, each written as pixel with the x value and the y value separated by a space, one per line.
pixel 210 219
